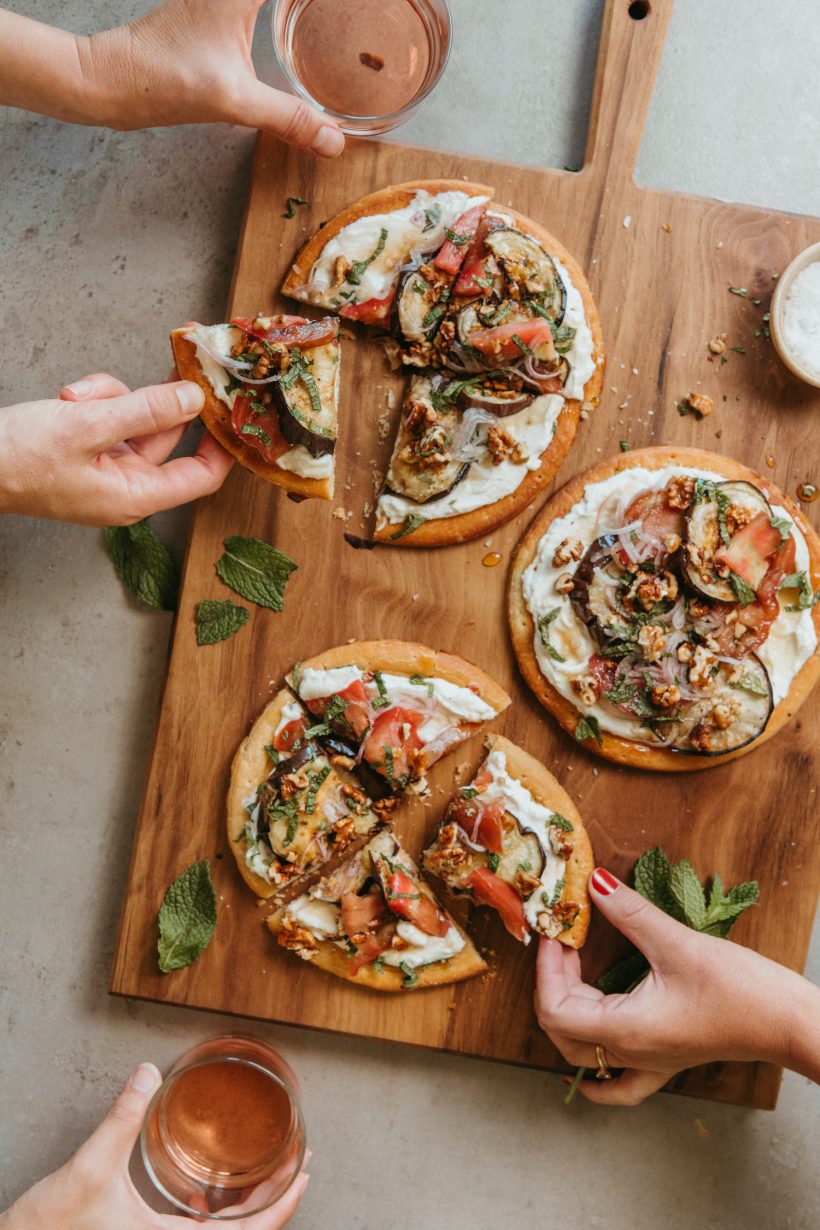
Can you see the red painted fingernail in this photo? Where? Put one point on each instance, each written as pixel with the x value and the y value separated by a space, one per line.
pixel 604 882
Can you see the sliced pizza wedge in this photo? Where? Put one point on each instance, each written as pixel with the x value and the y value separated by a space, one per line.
pixel 374 922
pixel 293 806
pixel 271 386
pixel 394 708
pixel 513 840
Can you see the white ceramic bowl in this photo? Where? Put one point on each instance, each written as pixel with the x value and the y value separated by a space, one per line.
pixel 777 314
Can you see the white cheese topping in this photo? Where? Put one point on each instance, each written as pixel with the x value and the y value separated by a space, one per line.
pixel 316 684
pixel 299 461
pixel 292 712
pixel 533 817
pixel 456 701
pixel 323 918
pixel 581 361
pixel 790 643
pixel 485 483
pixel 219 339
pixel 423 949
pixel 406 232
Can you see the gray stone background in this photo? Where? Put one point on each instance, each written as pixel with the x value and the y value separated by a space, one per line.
pixel 107 241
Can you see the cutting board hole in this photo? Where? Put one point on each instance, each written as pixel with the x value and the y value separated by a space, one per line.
pixel 639 9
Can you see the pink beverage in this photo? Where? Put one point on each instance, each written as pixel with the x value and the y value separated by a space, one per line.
pixel 223 1136
pixel 366 62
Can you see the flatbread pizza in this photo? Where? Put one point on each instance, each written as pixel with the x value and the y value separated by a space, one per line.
pixel 513 839
pixel 662 607
pixel 374 922
pixel 271 386
pixel 498 325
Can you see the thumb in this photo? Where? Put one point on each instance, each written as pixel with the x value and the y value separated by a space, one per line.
pixel 114 1139
pixel 291 119
pixel 652 931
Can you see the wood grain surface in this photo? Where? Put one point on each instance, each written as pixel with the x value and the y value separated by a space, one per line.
pixel 661 282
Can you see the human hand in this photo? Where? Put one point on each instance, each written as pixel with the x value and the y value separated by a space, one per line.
pixel 103 459
pixel 93 1191
pixel 703 999
pixel 189 62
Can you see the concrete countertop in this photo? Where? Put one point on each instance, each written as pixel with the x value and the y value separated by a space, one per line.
pixel 108 240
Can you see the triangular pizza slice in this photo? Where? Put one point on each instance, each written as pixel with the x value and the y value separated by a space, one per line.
pixel 374 922
pixel 271 386
pixel 513 839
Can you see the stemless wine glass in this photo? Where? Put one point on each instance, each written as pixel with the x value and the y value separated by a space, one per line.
pixel 366 63
pixel 223 1136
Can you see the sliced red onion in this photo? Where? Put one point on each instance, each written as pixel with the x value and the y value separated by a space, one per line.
pixel 463 446
pixel 309 289
pixel 239 370
pixel 468 842
pixel 451 736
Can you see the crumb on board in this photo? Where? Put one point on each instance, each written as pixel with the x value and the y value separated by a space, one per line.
pixel 717 344
pixel 696 403
pixel 341 514
pixel 383 427
pixel 627 222
pixel 666 227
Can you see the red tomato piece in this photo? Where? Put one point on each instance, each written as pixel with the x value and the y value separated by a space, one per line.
pixel 488 889
pixel 781 565
pixel 371 946
pixel 362 913
pixel 242 415
pixel 370 311
pixel 405 898
pixel 478 262
pixel 658 517
pixel 394 734
pixel 450 255
pixel 750 548
pixel 284 740
pixel 500 342
pixel 603 671
pixel 356 718
pixel 482 822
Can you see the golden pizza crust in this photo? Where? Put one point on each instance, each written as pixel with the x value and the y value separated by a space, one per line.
pixel 217 418
pixel 409 658
pixel 546 790
pixel 522 628
pixel 332 959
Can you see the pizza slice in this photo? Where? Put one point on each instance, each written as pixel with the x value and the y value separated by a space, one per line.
pixel 514 840
pixel 391 709
pixel 374 922
pixel 293 806
pixel 271 386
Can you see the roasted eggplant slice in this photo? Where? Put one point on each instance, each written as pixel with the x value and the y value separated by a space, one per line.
pixel 497 397
pixel 706 532
pixel 467 321
pixel 529 268
pixel 305 400
pixel 423 467
pixel 520 850
pixel 370 781
pixel 593 581
pixel 742 692
pixel 418 309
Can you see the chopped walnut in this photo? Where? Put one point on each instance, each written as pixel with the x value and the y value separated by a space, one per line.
pixel 525 884
pixel 665 695
pixel 561 841
pixel 354 795
pixel 341 268
pixel 383 807
pixel 548 924
pixel 652 640
pixel 417 354
pixel 701 667
pixel 737 516
pixel 342 762
pixel 569 549
pixel 566 912
pixel 700 403
pixel 588 688
pixel 345 830
pixel 564 584
pixel 297 939
pixel 292 784
pixel 718 343
pixel 653 587
pixel 501 445
pixel 725 712
pixel 680 492
pixel 671 542
pixel 419 416
pixel 701 736
pixel 685 651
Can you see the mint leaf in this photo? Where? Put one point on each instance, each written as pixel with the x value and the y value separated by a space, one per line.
pixel 743 591
pixel 587 729
pixel 687 891
pixel 255 571
pixel 750 682
pixel 651 878
pixel 216 620
pixel 725 908
pixel 290 205
pixel 412 523
pixel 143 564
pixel 187 918
pixel 410 975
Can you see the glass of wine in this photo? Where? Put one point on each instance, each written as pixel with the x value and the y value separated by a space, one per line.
pixel 224 1136
pixel 366 63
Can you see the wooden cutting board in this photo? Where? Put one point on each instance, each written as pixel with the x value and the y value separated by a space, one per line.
pixel 660 265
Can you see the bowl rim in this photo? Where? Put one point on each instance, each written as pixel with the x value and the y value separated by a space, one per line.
pixel 801 261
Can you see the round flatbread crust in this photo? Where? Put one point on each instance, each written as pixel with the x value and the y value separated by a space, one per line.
pixel 546 790
pixel 522 629
pixel 217 418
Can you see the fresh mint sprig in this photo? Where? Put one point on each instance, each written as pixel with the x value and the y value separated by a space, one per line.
pixel 187 918
pixel 143 564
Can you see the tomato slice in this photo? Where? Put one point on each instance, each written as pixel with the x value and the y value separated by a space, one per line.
pixel 482 822
pixel 603 671
pixel 781 565
pixel 291 330
pixel 750 548
pixel 284 739
pixel 362 913
pixel 478 262
pixel 356 716
pixel 374 943
pixel 658 517
pixel 242 415
pixel 488 889
pixel 394 734
pixel 499 342
pixel 369 311
pixel 450 256
pixel 405 898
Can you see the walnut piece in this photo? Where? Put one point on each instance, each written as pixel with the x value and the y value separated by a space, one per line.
pixel 651 640
pixel 569 549
pixel 680 492
pixel 701 667
pixel 501 445
pixel 588 688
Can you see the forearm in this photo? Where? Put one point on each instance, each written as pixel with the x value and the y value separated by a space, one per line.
pixel 801 1009
pixel 43 69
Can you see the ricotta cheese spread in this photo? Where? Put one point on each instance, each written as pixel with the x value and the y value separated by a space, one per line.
pixel 458 701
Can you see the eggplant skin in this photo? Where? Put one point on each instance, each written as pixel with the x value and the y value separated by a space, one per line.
pixel 599 555
pixel 702 523
pixel 529 267
pixel 415 299
pixel 299 421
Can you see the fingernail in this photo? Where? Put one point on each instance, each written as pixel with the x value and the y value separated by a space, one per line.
pixel 604 882
pixel 144 1078
pixel 329 142
pixel 80 388
pixel 191 397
